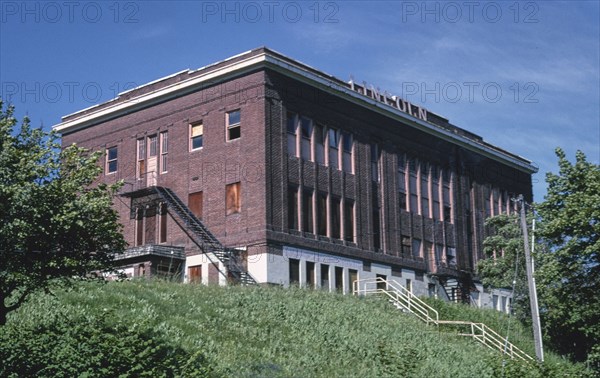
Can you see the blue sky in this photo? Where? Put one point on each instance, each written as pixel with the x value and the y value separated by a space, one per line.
pixel 524 75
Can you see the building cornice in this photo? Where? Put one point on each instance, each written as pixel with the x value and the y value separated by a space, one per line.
pixel 264 58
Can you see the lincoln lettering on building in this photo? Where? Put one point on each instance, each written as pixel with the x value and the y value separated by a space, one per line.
pixel 388 99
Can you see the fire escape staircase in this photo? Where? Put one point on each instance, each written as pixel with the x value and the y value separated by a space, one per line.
pixel 455 288
pixel 407 302
pixel 202 237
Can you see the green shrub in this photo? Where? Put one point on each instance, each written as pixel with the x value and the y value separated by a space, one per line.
pixel 95 345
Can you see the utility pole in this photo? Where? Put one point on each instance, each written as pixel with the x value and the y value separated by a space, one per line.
pixel 535 313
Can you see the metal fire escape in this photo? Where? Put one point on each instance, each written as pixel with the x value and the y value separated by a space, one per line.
pixel 199 233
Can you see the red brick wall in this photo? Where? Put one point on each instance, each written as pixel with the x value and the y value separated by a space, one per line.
pixel 209 170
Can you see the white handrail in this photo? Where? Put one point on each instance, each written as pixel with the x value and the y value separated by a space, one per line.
pixel 406 300
pixel 399 295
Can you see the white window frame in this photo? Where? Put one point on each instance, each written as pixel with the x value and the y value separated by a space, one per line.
pixel 230 127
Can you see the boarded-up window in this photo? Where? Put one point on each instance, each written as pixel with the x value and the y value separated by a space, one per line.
pixel 233 198
pixel 195 274
pixel 150 227
pixel 163 224
pixel 294 271
pixel 195 204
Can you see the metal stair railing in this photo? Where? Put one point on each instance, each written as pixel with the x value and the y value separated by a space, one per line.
pixel 488 337
pixel 399 296
pixel 202 237
pixel 406 300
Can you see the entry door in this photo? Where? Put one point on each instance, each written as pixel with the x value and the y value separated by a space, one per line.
pixel 195 274
pixel 152 166
pixel 380 284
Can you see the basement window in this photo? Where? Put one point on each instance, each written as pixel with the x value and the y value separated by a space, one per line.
pixel 339 279
pixel 294 272
pixel 325 276
pixel 234 130
pixel 310 274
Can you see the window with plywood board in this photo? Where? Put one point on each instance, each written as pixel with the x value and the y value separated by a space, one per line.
pixel 233 198
pixel 195 203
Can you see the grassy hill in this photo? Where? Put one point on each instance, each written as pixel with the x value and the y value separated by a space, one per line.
pixel 156 328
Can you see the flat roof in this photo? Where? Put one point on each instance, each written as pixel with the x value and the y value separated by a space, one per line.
pixel 188 81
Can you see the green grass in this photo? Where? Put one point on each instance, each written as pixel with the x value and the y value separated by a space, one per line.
pixel 254 332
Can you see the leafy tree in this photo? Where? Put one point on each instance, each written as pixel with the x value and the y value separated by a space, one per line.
pixel 569 274
pixel 55 223
pixel 504 265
